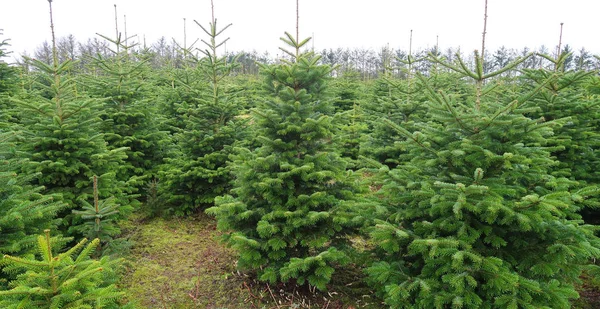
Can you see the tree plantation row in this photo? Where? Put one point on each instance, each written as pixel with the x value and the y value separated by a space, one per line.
pixel 446 181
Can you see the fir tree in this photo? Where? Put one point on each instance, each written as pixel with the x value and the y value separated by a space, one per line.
pixel 24 211
pixel 8 83
pixel 179 95
pixel 197 171
pixel 65 143
pixel 62 129
pixel 286 217
pixel 62 280
pixel 129 111
pixel 393 99
pixel 349 116
pixel 97 217
pixel 563 98
pixel 476 217
pixel 8 74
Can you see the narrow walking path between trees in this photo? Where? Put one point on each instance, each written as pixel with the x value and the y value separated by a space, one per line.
pixel 180 263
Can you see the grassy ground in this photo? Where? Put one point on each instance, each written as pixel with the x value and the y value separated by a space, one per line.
pixel 589 293
pixel 180 263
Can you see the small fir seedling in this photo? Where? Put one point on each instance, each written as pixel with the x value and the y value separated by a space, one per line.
pixel 98 218
pixel 65 280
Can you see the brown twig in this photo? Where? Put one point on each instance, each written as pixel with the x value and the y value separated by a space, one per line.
pixel 480 80
pixel 273 296
pixel 292 300
pixel 250 291
pixel 196 285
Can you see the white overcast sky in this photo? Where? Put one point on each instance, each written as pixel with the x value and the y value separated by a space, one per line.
pixel 258 24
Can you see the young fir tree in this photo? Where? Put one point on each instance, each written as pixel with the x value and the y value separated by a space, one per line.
pixel 286 217
pixel 198 171
pixel 8 74
pixel 98 218
pixel 65 142
pixel 63 138
pixel 129 111
pixel 180 90
pixel 8 84
pixel 476 218
pixel 564 98
pixel 24 211
pixel 62 280
pixel 398 101
pixel 349 115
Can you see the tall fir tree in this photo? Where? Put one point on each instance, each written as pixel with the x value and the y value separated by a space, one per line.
pixel 63 139
pixel 287 217
pixel 348 101
pixel 129 111
pixel 8 83
pixel 24 210
pixel 476 217
pixel 8 74
pixel 197 171
pixel 397 100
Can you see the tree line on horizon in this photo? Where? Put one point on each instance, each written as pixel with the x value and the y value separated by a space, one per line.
pixel 369 63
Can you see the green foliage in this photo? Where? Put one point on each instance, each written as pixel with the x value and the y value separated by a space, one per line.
pixel 154 205
pixel 129 112
pixel 197 170
pixel 8 82
pixel 65 144
pixel 24 211
pixel 180 90
pixel 64 280
pixel 562 99
pixel 476 218
pixel 97 217
pixel 348 102
pixel 287 218
pixel 8 74
pixel 392 99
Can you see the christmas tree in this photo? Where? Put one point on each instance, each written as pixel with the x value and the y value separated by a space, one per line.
pixel 64 141
pixel 476 217
pixel 197 171
pixel 129 111
pixel 62 280
pixel 286 216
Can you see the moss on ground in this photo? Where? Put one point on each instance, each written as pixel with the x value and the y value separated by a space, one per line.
pixel 179 263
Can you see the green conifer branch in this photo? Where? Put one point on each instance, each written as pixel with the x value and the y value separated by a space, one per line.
pixel 510 66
